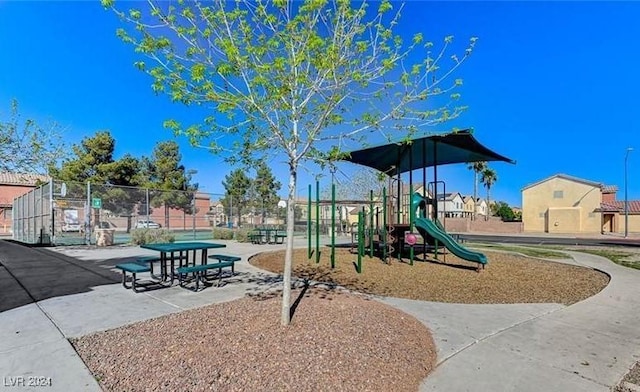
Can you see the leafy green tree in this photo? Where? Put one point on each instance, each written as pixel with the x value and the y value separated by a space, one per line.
pixel 477 168
pixel 488 178
pixel 503 210
pixel 300 79
pixel 26 147
pixel 93 161
pixel 165 173
pixel 266 189
pixel 237 193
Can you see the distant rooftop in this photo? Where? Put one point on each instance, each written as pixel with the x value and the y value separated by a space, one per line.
pixel 24 179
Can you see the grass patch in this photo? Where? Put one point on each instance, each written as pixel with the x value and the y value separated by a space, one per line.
pixel 618 257
pixel 532 252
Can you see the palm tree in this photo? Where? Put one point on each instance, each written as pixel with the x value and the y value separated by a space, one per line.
pixel 489 177
pixel 477 167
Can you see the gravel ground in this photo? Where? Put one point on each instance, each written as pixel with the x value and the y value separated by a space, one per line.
pixel 507 278
pixel 630 382
pixel 338 341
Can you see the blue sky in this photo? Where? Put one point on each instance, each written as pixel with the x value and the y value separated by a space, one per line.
pixel 551 85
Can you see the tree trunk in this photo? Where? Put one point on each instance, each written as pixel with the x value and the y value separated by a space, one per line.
pixel 488 203
pixel 475 194
pixel 288 256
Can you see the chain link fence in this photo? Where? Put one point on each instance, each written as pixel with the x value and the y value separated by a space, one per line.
pixel 76 213
pixel 67 213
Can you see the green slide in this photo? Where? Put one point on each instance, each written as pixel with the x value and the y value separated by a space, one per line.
pixel 428 227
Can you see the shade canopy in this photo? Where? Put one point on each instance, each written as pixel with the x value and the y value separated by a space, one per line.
pixel 394 158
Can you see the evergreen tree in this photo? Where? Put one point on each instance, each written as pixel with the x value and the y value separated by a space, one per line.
pixel 237 194
pixel 167 176
pixel 266 190
pixel 93 161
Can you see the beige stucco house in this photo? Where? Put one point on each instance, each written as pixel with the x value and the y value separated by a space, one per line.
pixel 566 204
pixel 469 204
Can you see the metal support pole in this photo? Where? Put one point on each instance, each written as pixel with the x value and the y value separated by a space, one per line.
pixel 384 224
pixel 309 225
pixel 333 225
pixel 626 198
pixel 360 239
pixel 147 203
pixel 194 215
pixel 371 223
pixel 87 220
pixel 317 221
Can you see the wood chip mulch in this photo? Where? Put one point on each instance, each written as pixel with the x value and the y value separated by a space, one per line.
pixel 507 278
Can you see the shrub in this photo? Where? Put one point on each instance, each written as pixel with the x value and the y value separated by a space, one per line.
pixel 220 233
pixel 240 235
pixel 149 236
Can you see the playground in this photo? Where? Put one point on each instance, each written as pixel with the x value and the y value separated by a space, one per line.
pixel 400 247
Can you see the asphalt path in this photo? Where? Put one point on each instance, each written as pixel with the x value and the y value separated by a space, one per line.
pixel 550 240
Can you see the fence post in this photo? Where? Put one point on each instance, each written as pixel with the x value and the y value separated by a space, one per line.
pixel 147 201
pixel 87 219
pixel 193 211
pixel 52 216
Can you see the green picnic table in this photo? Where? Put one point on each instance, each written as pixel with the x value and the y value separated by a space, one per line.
pixel 168 252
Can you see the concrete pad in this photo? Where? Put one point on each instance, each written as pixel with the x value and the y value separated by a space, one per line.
pixel 32 350
pixel 603 318
pixel 104 307
pixel 25 326
pixel 56 361
pixel 485 367
pixel 590 354
pixel 457 326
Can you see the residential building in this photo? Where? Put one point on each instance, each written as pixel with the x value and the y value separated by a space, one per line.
pixel 469 204
pixel 450 205
pixel 566 204
pixel 482 208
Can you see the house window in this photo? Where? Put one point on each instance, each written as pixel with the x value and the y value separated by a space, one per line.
pixel 558 194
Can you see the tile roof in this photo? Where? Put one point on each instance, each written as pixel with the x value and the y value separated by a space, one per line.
pixel 634 206
pixel 608 207
pixel 29 179
pixel 609 188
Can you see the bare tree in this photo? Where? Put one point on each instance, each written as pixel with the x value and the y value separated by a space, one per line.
pixel 27 147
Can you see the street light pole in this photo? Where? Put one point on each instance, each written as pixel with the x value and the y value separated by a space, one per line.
pixel 626 199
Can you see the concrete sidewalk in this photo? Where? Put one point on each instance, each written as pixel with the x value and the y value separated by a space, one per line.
pixel 588 346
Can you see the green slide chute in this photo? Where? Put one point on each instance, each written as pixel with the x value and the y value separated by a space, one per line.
pixel 427 228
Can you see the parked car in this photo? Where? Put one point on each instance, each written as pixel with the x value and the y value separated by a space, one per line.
pixel 147 224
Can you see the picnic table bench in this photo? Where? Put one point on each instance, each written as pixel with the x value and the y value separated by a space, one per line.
pixel 133 269
pixel 279 237
pixel 256 237
pixel 200 271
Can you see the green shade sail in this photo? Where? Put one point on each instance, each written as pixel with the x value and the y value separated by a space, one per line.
pixel 435 150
